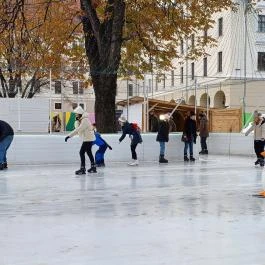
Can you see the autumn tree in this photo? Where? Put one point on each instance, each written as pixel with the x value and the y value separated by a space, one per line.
pixel 37 36
pixel 122 36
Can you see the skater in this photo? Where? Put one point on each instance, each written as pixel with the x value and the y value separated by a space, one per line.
pixel 204 133
pixel 259 137
pixel 84 129
pixel 101 143
pixel 6 138
pixel 189 135
pixel 134 132
pixel 162 136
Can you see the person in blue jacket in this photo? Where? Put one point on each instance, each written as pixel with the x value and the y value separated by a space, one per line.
pixel 134 133
pixel 102 144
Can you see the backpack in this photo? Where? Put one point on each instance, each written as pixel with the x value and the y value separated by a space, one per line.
pixel 135 127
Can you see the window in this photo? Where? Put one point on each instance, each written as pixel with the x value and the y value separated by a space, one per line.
pixel 172 78
pixel 82 105
pixel 192 71
pixel 58 87
pixel 220 62
pixel 181 47
pixel 205 66
pixel 261 23
pixel 192 41
pixel 77 84
pixel 261 61
pixel 181 75
pixel 75 87
pixel 81 88
pixel 220 26
pixel 57 105
pixel 130 90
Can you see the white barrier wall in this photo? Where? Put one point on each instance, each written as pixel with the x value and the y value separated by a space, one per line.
pixel 49 149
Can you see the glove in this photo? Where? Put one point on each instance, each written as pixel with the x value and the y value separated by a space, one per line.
pixel 66 138
pixel 110 148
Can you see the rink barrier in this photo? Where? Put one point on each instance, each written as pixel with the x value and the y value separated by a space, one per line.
pixel 52 149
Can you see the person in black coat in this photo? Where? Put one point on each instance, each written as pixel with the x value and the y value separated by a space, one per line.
pixel 134 132
pixel 6 138
pixel 189 135
pixel 162 136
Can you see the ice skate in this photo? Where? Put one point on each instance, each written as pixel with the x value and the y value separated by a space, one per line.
pixel 134 163
pixel 162 159
pixel 192 159
pixel 186 158
pixel 93 169
pixel 81 171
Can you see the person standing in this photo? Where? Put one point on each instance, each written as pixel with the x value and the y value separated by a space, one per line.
pixel 84 129
pixel 6 138
pixel 162 136
pixel 189 135
pixel 204 133
pixel 259 137
pixel 102 144
pixel 134 133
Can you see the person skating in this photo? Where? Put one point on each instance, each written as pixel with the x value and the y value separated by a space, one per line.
pixel 84 129
pixel 204 133
pixel 162 136
pixel 259 137
pixel 102 144
pixel 6 138
pixel 189 135
pixel 134 133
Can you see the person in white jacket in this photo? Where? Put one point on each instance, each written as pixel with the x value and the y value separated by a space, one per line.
pixel 259 137
pixel 84 129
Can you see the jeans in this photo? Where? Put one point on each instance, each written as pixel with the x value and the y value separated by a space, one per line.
pixel 188 144
pixel 162 148
pixel 86 147
pixel 133 148
pixel 259 147
pixel 203 143
pixel 4 145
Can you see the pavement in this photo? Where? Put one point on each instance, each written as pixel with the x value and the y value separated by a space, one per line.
pixel 200 213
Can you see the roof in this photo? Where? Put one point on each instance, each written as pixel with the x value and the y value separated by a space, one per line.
pixel 159 104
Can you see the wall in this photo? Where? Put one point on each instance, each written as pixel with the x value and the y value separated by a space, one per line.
pixel 51 149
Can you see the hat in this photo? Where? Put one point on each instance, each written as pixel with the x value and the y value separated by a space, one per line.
pixel 79 110
pixel 122 119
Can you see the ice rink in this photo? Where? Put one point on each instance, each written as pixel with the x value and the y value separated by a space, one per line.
pixel 200 213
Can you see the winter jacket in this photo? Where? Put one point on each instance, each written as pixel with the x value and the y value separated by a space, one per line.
pixel 190 129
pixel 99 140
pixel 134 134
pixel 259 130
pixel 163 131
pixel 204 131
pixel 84 129
pixel 5 130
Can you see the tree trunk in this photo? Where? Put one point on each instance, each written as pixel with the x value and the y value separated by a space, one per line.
pixel 105 94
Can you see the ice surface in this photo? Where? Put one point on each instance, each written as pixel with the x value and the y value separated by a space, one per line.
pixel 191 214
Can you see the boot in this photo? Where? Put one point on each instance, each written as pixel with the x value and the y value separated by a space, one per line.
pixel 162 159
pixel 192 159
pixel 2 166
pixel 5 165
pixel 93 169
pixel 100 164
pixel 201 152
pixel 257 162
pixel 261 162
pixel 81 171
pixel 186 158
pixel 206 152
